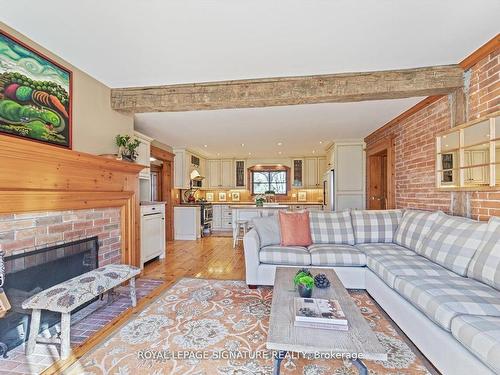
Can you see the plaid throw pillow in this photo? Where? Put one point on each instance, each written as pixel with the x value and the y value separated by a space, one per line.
pixel 485 265
pixel 375 225
pixel 331 227
pixel 452 242
pixel 414 227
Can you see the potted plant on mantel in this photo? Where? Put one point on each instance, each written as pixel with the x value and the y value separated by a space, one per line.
pixel 304 282
pixel 127 147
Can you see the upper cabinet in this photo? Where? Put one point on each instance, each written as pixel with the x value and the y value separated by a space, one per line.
pixel 220 173
pixel 144 154
pixel 184 163
pixel 240 173
pixel 468 156
pixel 314 170
pixel 297 173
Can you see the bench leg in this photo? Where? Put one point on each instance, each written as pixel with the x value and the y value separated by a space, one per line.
pixel 65 335
pixel 133 297
pixel 34 328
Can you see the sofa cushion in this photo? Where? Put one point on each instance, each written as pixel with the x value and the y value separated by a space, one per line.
pixel 291 255
pixel 268 229
pixel 336 255
pixel 390 267
pixel 485 265
pixel 331 227
pixel 294 228
pixel 384 249
pixel 480 335
pixel 452 242
pixel 375 225
pixel 413 228
pixel 443 298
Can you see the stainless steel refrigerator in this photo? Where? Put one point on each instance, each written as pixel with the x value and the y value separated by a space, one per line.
pixel 329 190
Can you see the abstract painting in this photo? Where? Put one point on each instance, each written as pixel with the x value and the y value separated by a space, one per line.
pixel 35 94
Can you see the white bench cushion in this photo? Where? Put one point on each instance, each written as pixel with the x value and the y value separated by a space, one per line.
pixel 383 249
pixel 443 298
pixel 289 255
pixel 67 296
pixel 390 267
pixel 481 335
pixel 485 265
pixel 336 255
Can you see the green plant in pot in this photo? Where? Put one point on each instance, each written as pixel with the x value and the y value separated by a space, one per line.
pixel 127 147
pixel 304 282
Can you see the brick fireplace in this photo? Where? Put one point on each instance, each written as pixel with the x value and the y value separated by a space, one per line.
pixel 25 232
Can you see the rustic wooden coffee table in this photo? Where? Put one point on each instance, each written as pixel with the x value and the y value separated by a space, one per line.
pixel 359 342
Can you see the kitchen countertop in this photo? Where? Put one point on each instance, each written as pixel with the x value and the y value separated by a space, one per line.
pixel 280 203
pixel 151 203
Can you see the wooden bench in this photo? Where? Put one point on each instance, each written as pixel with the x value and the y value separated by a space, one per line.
pixel 71 294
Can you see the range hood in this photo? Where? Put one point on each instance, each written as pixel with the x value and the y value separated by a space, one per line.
pixel 196 176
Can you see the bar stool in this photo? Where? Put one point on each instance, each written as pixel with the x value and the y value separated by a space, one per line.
pixel 240 230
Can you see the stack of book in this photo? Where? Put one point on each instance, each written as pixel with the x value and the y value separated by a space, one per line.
pixel 319 313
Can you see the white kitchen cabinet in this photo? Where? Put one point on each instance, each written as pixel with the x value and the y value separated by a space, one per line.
pixel 220 173
pixel 144 154
pixel 314 169
pixel 187 223
pixel 298 173
pixel 183 167
pixel 240 174
pixel 152 232
pixel 217 217
pixel 349 175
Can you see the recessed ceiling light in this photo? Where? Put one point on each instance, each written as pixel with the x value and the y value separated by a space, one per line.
pixel 242 145
pixel 314 151
pixel 205 146
pixel 279 152
pixel 249 153
pixel 218 154
pixel 280 143
pixel 320 142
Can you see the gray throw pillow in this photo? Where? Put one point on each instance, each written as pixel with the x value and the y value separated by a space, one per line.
pixel 268 229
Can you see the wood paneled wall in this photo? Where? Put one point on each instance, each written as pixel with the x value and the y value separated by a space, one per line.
pixel 39 177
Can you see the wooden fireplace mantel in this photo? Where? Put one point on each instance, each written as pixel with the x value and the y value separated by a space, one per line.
pixel 39 177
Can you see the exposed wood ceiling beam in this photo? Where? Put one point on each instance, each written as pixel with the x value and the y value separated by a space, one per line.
pixel 330 88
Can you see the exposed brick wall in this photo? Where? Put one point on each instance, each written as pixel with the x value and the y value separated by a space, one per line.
pixel 28 231
pixel 415 145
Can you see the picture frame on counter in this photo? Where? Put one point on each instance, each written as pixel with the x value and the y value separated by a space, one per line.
pixel 235 196
pixel 222 196
pixel 302 196
pixel 209 197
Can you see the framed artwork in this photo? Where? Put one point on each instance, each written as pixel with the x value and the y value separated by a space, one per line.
pixel 222 196
pixel 209 197
pixel 302 196
pixel 35 94
pixel 235 196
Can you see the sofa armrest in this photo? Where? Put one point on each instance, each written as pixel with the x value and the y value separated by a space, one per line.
pixel 251 246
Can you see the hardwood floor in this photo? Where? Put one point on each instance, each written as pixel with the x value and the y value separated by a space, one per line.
pixel 207 258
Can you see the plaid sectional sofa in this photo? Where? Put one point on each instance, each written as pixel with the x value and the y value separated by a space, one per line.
pixel 437 276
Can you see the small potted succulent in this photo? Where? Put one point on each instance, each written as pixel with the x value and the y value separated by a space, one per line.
pixel 304 282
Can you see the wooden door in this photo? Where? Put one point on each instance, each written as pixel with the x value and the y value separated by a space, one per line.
pixel 380 176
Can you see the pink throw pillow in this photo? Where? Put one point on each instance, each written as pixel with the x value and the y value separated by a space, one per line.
pixel 295 230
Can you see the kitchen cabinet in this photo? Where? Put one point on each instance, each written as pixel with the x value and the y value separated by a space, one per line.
pixel 298 173
pixel 187 223
pixel 183 166
pixel 240 174
pixel 144 154
pixel 220 173
pixel 152 232
pixel 222 218
pixel 350 171
pixel 314 170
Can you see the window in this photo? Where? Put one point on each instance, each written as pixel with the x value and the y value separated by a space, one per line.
pixel 468 156
pixel 274 180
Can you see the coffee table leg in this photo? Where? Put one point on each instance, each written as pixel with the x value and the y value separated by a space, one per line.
pixel 278 357
pixel 360 366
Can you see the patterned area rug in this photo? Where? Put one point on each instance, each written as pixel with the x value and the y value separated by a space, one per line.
pixel 200 321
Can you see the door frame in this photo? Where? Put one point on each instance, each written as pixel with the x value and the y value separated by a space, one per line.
pixel 386 144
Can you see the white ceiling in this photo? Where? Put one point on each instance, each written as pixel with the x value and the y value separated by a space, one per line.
pixel 300 128
pixel 151 42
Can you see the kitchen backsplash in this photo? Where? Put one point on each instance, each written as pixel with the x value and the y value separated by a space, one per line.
pixel 312 195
